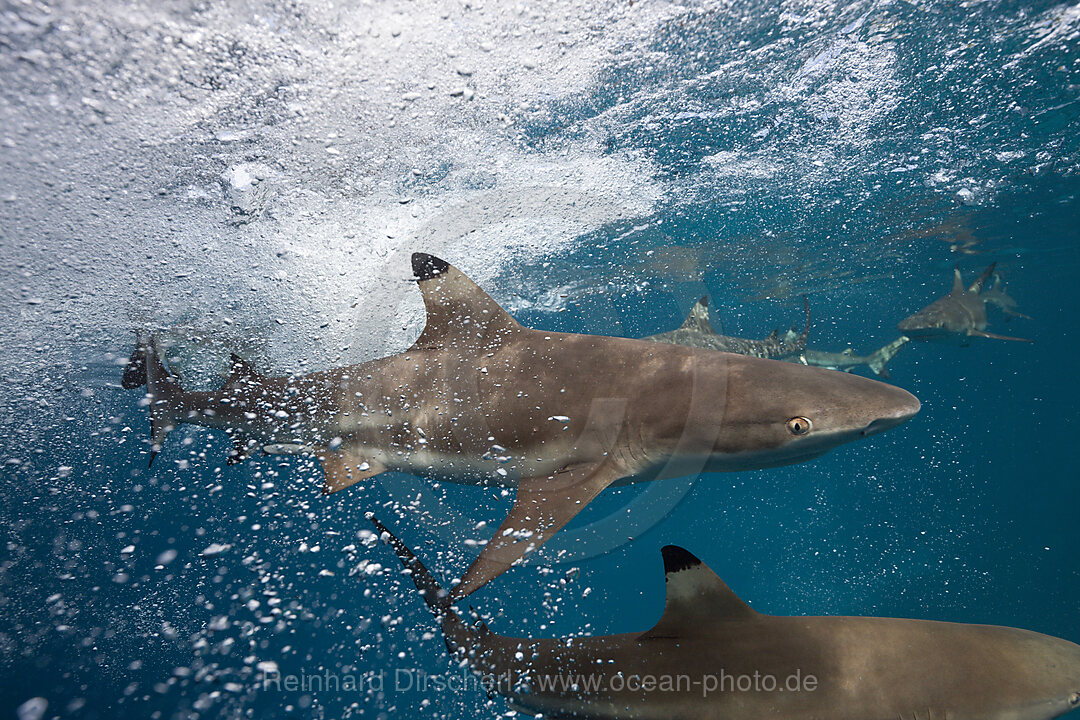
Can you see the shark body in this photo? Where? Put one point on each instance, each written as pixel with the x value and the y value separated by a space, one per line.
pixel 711 656
pixel 848 360
pixel 958 316
pixel 480 399
pixel 997 296
pixel 697 331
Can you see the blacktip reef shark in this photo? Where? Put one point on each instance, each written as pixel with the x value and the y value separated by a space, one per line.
pixel 958 316
pixel 711 656
pixel 997 296
pixel 697 331
pixel 847 360
pixel 480 399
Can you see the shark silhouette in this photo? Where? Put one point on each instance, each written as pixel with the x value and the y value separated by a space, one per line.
pixel 478 398
pixel 697 331
pixel 959 315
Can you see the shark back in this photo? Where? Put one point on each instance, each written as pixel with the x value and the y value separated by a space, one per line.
pixel 710 655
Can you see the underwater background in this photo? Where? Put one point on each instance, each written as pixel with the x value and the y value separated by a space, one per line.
pixel 252 176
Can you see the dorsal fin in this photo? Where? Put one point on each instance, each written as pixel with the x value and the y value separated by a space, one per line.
pixel 240 370
pixel 459 313
pixel 698 319
pixel 957 282
pixel 695 596
pixel 774 334
pixel 977 286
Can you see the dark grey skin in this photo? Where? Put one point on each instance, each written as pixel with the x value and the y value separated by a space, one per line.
pixel 712 656
pixel 697 331
pixel 480 399
pixel 957 317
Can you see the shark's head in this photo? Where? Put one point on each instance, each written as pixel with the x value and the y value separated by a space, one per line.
pixel 1037 676
pixel 779 413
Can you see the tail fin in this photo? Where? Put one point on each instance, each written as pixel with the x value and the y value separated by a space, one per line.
pixel 163 389
pixel 135 369
pixel 883 355
pixel 457 633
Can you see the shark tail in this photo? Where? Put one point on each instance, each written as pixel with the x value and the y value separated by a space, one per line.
pixel 460 635
pixel 882 356
pixel 165 395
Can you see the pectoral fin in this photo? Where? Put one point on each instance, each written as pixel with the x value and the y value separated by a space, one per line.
pixel 983 333
pixel 342 469
pixel 542 507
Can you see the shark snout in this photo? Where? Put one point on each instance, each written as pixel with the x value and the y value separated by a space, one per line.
pixel 903 407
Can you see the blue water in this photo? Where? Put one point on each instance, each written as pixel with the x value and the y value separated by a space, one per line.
pixel 852 154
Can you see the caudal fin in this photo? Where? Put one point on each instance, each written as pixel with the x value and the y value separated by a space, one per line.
pixel 882 356
pixel 457 632
pixel 165 394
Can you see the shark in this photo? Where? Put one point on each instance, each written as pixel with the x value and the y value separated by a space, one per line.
pixel 710 655
pixel 958 316
pixel 559 417
pixel 996 295
pixel 847 360
pixel 697 331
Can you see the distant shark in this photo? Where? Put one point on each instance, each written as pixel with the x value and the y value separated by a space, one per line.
pixel 697 331
pixel 711 656
pixel 480 399
pixel 847 360
pixel 997 296
pixel 958 316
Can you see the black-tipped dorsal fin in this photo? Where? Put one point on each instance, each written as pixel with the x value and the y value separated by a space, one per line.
pixel 977 286
pixel 695 596
pixel 957 282
pixel 459 313
pixel 698 319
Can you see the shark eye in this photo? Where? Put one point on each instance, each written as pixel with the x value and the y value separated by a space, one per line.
pixel 1074 699
pixel 798 425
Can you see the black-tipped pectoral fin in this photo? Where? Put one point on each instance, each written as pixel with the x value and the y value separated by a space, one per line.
pixel 542 507
pixel 992 336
